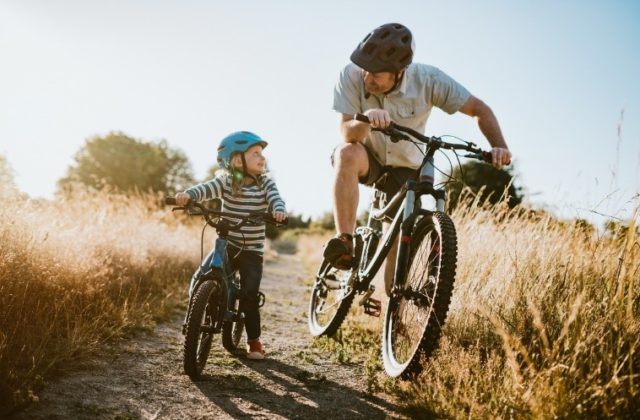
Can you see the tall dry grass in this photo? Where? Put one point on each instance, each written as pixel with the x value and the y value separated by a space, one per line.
pixel 543 323
pixel 77 272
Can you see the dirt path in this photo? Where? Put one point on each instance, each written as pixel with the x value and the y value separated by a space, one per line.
pixel 144 379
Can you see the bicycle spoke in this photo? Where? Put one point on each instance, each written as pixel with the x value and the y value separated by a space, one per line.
pixel 331 297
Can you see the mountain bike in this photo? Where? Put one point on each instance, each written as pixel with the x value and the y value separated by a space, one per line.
pixel 425 263
pixel 215 289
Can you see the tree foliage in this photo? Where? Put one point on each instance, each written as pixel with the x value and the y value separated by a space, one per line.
pixel 125 164
pixel 8 187
pixel 490 183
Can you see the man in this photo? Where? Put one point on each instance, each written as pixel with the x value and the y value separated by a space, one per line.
pixel 383 84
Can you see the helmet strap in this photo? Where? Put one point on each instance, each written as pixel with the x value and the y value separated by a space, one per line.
pixel 396 82
pixel 245 172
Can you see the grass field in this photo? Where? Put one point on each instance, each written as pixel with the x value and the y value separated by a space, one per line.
pixel 544 320
pixel 75 273
pixel 544 323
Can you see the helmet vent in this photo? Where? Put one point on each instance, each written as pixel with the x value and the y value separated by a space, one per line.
pixel 241 142
pixel 369 48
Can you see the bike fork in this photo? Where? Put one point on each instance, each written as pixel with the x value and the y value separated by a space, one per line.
pixel 406 228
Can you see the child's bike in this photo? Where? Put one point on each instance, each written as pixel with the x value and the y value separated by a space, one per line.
pixel 425 264
pixel 215 290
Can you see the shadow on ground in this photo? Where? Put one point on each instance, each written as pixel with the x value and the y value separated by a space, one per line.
pixel 298 394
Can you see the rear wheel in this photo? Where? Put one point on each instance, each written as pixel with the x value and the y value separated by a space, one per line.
pixel 418 306
pixel 200 326
pixel 232 329
pixel 331 298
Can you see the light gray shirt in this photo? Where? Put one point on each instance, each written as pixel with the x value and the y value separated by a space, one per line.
pixel 422 88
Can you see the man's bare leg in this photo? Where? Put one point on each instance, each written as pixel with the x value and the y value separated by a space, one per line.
pixel 351 163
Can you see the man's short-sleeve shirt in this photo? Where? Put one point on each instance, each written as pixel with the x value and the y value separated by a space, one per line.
pixel 422 87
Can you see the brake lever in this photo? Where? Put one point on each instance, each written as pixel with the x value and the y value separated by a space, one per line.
pixel 483 156
pixel 394 135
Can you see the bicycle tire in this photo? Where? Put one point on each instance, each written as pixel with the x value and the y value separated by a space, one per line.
pixel 332 286
pixel 197 343
pixel 414 316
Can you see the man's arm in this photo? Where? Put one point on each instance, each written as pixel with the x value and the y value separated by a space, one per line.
pixel 354 131
pixel 489 126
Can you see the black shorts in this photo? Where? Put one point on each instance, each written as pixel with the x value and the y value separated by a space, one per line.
pixel 387 179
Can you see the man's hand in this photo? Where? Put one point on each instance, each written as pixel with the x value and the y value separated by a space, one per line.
pixel 378 118
pixel 182 199
pixel 279 216
pixel 500 157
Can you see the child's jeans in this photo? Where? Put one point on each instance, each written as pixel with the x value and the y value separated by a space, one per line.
pixel 249 265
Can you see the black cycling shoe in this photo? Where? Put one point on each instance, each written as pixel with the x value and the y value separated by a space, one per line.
pixel 339 251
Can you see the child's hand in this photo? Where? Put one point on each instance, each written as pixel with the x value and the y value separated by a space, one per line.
pixel 279 216
pixel 182 199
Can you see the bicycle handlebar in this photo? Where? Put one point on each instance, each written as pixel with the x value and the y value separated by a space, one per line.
pixel 210 214
pixel 397 133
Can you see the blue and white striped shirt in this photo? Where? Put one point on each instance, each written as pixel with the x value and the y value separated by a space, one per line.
pixel 260 197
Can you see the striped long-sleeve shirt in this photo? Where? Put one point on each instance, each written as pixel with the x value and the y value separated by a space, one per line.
pixel 252 198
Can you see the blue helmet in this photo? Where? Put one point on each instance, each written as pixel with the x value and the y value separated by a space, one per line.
pixel 238 142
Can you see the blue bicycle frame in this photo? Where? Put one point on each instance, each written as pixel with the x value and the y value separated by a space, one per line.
pixel 217 260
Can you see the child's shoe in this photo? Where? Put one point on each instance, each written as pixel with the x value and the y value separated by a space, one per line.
pixel 254 350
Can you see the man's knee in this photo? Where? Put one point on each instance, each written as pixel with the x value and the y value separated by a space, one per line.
pixel 350 153
pixel 351 156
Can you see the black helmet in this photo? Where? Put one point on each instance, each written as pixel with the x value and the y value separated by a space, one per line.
pixel 387 48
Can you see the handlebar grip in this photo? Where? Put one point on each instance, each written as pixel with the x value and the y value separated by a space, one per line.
pixel 481 155
pixel 362 118
pixel 267 217
pixel 171 201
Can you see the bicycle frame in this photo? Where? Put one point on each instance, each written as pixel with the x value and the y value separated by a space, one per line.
pixel 410 195
pixel 216 259
pixel 402 221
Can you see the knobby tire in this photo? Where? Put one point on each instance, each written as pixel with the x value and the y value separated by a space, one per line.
pixel 417 318
pixel 197 343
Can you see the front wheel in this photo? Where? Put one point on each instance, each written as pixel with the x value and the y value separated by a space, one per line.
pixel 418 307
pixel 331 298
pixel 200 325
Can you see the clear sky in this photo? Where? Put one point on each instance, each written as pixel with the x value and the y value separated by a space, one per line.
pixel 563 78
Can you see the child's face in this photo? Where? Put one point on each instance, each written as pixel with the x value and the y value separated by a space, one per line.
pixel 255 160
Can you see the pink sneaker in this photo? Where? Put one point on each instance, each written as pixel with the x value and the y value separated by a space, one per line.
pixel 254 350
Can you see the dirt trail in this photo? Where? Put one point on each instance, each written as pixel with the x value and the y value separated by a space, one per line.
pixel 144 378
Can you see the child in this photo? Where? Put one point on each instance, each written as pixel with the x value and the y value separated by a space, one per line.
pixel 244 188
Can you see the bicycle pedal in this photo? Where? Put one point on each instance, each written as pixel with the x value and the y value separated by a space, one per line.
pixel 231 316
pixel 367 294
pixel 372 307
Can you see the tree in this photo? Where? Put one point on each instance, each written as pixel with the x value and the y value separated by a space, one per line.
pixel 8 187
pixel 482 178
pixel 125 164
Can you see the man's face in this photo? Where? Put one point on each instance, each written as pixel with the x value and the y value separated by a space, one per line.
pixel 378 83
